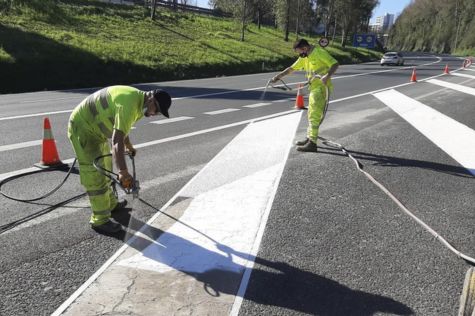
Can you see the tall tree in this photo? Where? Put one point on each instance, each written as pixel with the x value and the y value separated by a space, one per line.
pixel 352 15
pixel 438 26
pixel 261 9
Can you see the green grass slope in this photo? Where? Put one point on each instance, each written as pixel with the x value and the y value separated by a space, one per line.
pixel 74 44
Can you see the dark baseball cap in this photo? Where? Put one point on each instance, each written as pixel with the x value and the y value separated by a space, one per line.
pixel 164 101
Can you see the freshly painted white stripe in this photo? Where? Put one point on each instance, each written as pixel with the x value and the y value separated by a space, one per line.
pixel 20 145
pixel 221 111
pixel 255 248
pixel 458 74
pixel 239 199
pixel 470 69
pixel 119 252
pixel 256 105
pixel 172 120
pixel 453 86
pixel 165 140
pixel 456 139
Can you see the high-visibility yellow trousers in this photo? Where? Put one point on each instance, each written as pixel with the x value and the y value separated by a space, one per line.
pixel 98 187
pixel 316 105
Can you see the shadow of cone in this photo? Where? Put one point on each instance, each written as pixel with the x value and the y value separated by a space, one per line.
pixel 446 70
pixel 414 77
pixel 49 154
pixel 299 103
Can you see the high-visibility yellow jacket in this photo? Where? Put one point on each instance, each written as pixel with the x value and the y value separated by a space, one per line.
pixel 318 62
pixel 115 107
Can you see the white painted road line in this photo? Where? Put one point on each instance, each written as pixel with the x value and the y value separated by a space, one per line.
pixel 256 105
pixel 169 139
pixel 456 139
pixel 216 240
pixel 33 115
pixel 453 86
pixel 172 120
pixel 226 92
pixel 221 111
pixel 20 145
pixel 284 100
pixel 458 74
pixel 469 69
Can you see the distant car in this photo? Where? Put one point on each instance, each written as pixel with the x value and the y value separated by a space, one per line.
pixel 392 58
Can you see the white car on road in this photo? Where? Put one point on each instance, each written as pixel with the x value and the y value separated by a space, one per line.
pixel 392 58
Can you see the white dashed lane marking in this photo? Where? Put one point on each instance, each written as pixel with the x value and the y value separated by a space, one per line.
pixel 172 120
pixel 221 111
pixel 256 105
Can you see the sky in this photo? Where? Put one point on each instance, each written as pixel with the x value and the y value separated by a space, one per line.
pixel 202 3
pixel 385 6
pixel 389 6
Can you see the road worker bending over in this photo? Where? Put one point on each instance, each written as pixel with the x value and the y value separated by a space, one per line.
pixel 107 114
pixel 319 66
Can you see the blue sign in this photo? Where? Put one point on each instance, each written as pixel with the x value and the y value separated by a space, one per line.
pixel 364 40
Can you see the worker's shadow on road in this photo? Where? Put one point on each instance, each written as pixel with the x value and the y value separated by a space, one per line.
pixel 391 161
pixel 272 283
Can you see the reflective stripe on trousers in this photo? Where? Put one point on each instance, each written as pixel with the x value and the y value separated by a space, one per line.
pixel 87 148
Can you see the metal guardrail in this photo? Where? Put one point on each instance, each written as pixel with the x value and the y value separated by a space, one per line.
pixel 179 6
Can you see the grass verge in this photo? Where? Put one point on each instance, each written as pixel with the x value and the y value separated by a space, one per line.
pixel 85 43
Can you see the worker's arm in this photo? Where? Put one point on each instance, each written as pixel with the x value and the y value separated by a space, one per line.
pixel 285 72
pixel 330 73
pixel 128 145
pixel 118 148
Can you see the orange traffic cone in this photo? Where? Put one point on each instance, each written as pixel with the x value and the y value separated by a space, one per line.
pixel 299 104
pixel 49 156
pixel 414 77
pixel 446 70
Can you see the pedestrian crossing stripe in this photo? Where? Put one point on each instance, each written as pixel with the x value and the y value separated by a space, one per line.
pixel 453 86
pixel 453 137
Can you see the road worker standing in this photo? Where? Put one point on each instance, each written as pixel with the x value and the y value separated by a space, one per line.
pixel 109 114
pixel 319 66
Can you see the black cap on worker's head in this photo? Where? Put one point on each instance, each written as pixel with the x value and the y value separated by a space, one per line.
pixel 164 101
pixel 301 43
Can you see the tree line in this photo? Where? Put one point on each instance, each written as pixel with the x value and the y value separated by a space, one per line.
pixel 441 26
pixel 326 17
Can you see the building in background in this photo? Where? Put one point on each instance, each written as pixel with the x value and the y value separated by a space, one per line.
pixel 382 24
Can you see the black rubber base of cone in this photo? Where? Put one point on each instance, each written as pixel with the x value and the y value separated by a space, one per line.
pixel 57 166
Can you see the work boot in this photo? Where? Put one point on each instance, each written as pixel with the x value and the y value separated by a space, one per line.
pixel 109 227
pixel 302 142
pixel 120 205
pixel 310 146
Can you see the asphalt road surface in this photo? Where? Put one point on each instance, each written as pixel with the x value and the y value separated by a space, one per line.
pixel 236 220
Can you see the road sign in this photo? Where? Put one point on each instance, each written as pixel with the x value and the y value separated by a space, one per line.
pixel 323 42
pixel 364 40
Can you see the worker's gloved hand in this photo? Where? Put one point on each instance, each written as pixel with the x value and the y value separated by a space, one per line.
pixel 131 150
pixel 125 179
